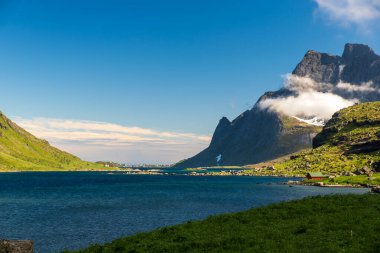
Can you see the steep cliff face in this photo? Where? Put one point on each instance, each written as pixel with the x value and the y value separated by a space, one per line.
pixel 320 67
pixel 262 134
pixel 357 65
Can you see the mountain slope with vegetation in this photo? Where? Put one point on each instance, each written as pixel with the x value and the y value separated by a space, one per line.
pixel 347 143
pixel 21 151
pixel 318 224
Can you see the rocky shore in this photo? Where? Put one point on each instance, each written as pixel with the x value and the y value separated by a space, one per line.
pixel 374 188
pixel 16 246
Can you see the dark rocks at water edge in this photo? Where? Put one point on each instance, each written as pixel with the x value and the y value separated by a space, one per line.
pixel 16 246
pixel 260 134
pixel 375 189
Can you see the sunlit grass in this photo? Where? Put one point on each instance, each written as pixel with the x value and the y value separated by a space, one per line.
pixel 337 223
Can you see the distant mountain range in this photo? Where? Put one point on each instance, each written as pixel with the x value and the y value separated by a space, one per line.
pixel 21 151
pixel 285 121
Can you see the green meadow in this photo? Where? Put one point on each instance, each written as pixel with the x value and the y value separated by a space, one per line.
pixel 338 223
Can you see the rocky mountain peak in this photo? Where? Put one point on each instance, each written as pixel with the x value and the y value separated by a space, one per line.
pixel 222 129
pixel 361 65
pixel 358 64
pixel 355 51
pixel 321 67
pixel 224 121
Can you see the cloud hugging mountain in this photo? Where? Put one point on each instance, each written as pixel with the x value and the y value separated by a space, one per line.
pixel 285 121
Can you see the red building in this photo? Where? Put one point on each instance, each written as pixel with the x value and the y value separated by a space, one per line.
pixel 316 176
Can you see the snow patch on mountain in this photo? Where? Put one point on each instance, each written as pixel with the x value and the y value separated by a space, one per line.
pixel 341 68
pixel 313 121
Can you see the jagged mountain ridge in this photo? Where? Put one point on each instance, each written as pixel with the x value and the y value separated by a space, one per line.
pixel 358 65
pixel 258 135
pixel 360 62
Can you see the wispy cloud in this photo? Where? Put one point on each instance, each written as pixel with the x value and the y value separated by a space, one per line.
pixel 364 87
pixel 360 13
pixel 107 141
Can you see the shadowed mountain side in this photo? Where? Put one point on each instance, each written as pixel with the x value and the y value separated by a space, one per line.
pixel 254 136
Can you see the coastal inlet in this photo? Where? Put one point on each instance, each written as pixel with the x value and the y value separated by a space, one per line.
pixel 71 210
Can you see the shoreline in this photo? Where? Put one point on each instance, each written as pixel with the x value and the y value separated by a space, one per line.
pixel 374 188
pixel 290 183
pixel 34 171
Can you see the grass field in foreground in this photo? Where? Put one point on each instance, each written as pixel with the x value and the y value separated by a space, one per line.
pixel 339 223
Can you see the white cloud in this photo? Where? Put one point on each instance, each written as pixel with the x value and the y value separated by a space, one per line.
pixel 350 12
pixel 364 87
pixel 310 99
pixel 303 84
pixel 94 141
pixel 309 104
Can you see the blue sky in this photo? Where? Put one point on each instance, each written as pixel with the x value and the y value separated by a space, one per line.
pixel 171 67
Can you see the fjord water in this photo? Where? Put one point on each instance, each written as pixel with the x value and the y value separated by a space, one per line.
pixel 71 210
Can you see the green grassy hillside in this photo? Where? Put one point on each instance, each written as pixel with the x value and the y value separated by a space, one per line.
pixel 349 141
pixel 319 224
pixel 21 151
pixel 296 134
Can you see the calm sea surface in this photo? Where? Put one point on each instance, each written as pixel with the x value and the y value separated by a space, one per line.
pixel 72 210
